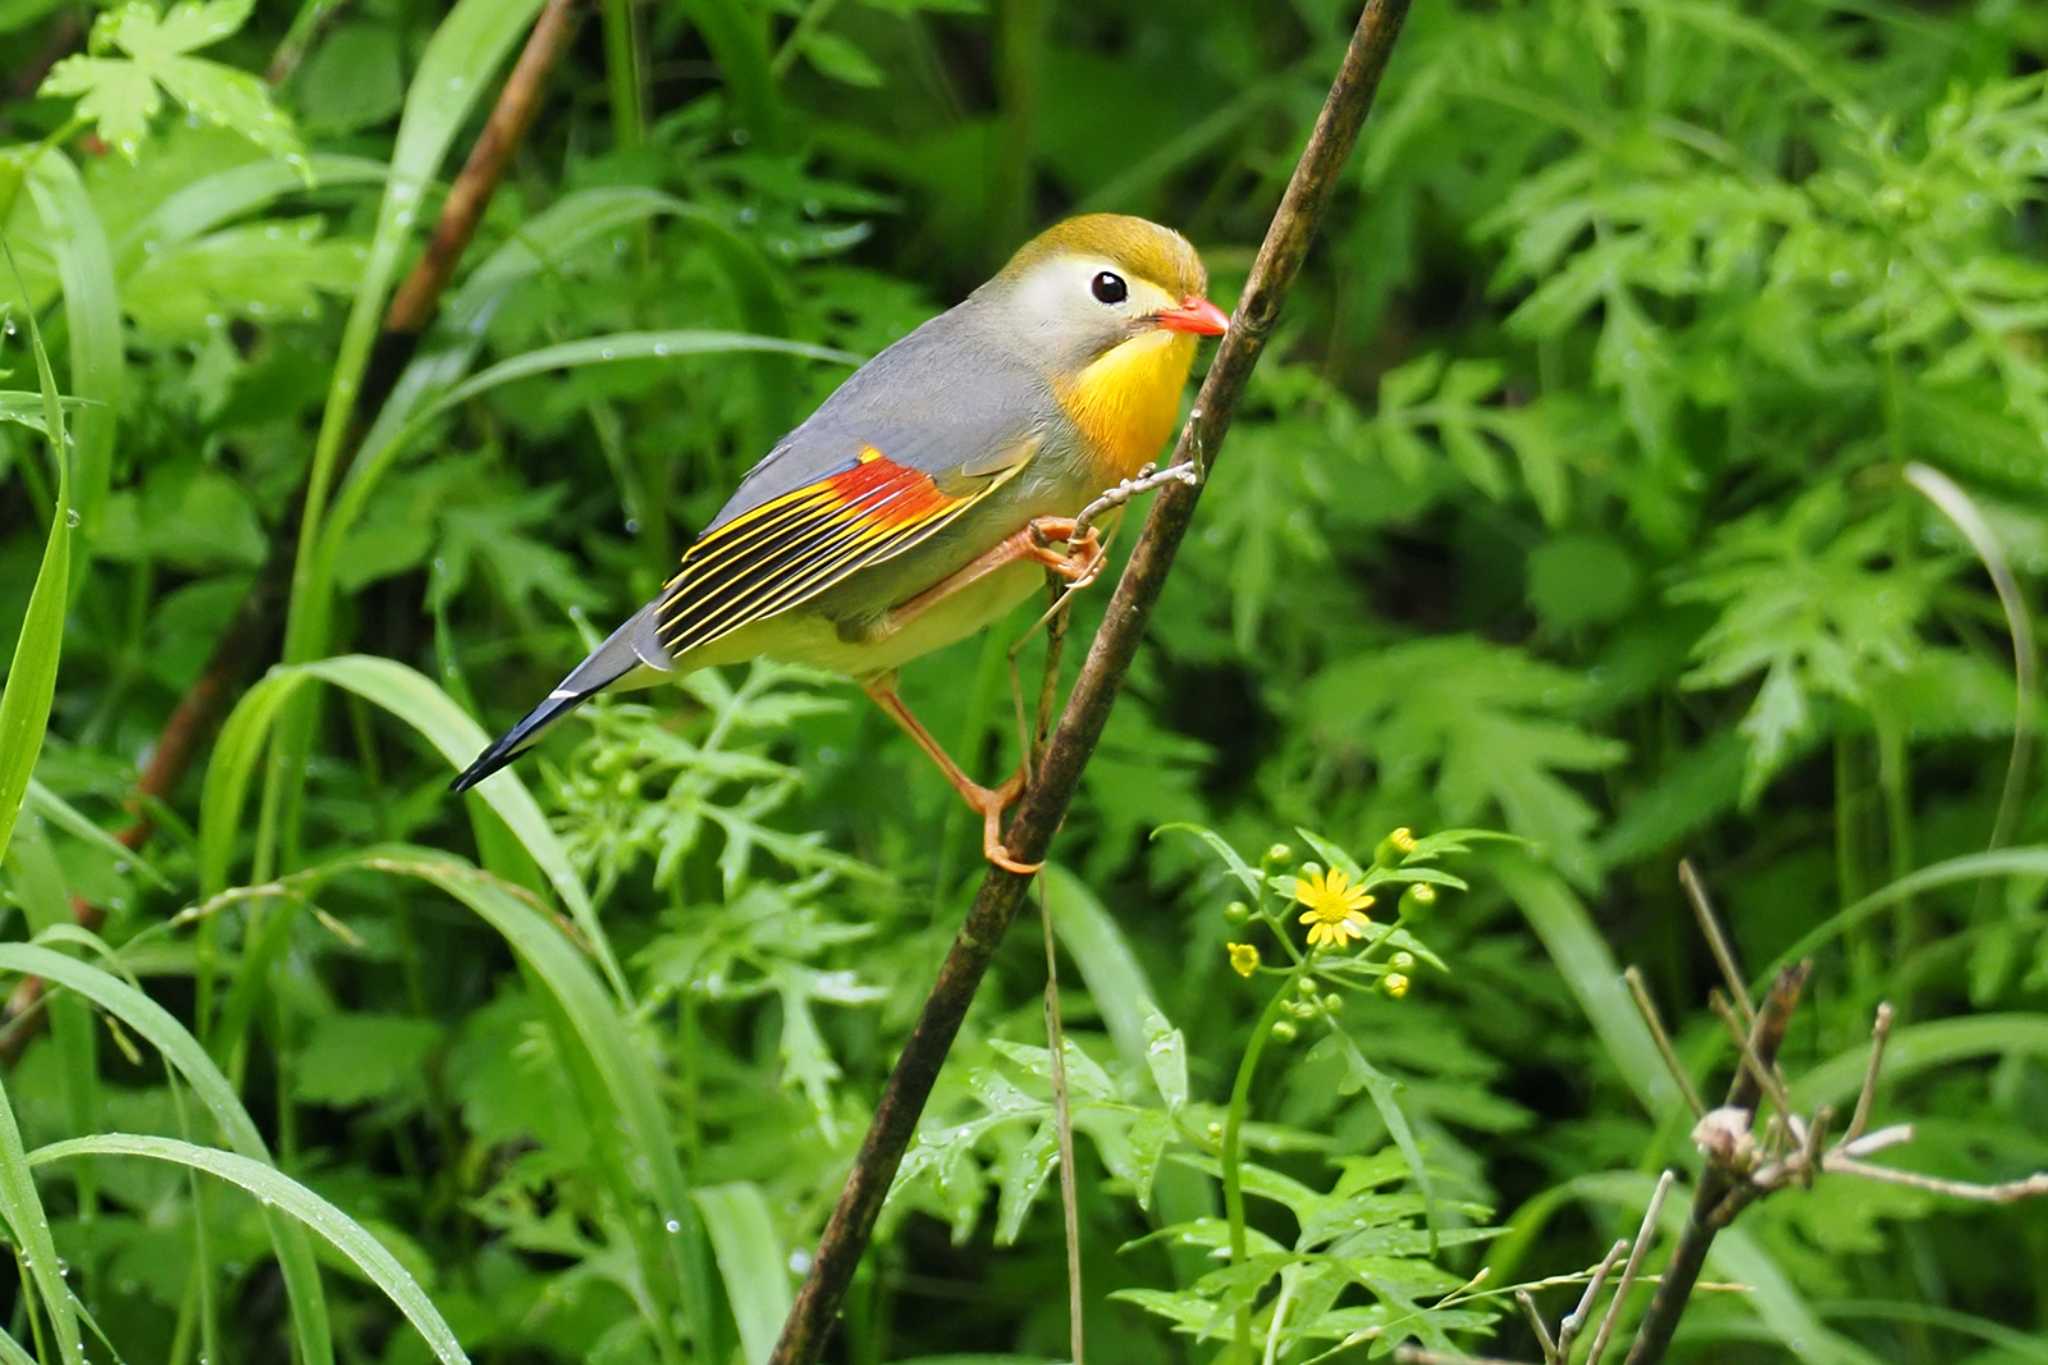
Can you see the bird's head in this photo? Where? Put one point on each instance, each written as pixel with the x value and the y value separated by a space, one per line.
pixel 1088 287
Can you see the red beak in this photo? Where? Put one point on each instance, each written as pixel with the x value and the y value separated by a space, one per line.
pixel 1198 316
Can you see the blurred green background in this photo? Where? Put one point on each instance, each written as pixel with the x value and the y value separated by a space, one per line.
pixel 1632 472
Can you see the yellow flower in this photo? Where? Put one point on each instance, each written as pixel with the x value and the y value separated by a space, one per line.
pixel 1244 959
pixel 1336 908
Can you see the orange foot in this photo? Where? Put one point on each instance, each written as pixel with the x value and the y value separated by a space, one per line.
pixel 992 802
pixel 1079 562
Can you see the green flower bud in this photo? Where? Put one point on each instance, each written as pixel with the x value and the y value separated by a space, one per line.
pixel 1333 1003
pixel 1401 962
pixel 1394 984
pixel 1237 912
pixel 1394 848
pixel 1311 870
pixel 1277 854
pixel 1283 1032
pixel 1417 898
pixel 1305 986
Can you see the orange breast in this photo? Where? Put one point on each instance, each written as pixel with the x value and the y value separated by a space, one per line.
pixel 1126 402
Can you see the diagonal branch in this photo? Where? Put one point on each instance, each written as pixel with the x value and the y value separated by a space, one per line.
pixel 1045 802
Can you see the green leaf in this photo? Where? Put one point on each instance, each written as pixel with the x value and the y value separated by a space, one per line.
pixel 183 1052
pixel 264 272
pixel 750 1260
pixel 1485 723
pixel 839 59
pixel 32 678
pixel 122 94
pixel 354 1057
pixel 29 1229
pixel 276 1190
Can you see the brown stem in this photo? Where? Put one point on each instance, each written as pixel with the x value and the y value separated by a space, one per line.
pixel 1045 802
pixel 1710 1213
pixel 248 636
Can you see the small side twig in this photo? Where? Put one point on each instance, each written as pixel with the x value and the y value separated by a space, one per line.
pixel 1880 1033
pixel 1717 939
pixel 1763 1073
pixel 1576 1320
pixel 1645 1233
pixel 1639 992
pixel 1540 1329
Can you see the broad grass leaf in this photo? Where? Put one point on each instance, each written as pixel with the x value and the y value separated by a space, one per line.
pixel 279 1191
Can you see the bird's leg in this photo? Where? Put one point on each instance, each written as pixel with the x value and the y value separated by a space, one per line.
pixel 1079 564
pixel 989 802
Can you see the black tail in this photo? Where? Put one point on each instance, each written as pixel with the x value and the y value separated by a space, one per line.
pixel 634 648
pixel 521 737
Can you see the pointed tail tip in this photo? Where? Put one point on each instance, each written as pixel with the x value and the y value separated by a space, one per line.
pixel 487 762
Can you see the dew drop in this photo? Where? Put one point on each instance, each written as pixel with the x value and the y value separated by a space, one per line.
pixel 71 517
pixel 673 1226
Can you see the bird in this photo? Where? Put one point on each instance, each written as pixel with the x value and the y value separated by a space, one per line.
pixel 927 496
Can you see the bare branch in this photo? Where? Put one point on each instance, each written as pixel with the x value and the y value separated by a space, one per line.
pixel 1052 788
pixel 1721 1192
pixel 1640 993
pixel 1880 1033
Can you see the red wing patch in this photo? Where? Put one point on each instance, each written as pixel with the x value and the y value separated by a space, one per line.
pixel 793 547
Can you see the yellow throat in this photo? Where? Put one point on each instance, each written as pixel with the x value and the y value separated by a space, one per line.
pixel 1126 401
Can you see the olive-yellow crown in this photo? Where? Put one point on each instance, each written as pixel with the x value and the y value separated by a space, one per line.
pixel 1136 246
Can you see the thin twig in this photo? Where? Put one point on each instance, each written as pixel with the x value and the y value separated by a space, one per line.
pixel 1416 1355
pixel 1145 480
pixel 1575 1321
pixel 1639 991
pixel 1063 1121
pixel 1765 1075
pixel 2034 1186
pixel 1052 789
pixel 1717 939
pixel 1541 1330
pixel 1644 1234
pixel 1880 1033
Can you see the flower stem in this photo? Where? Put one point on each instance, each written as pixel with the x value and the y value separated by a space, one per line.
pixel 1233 1142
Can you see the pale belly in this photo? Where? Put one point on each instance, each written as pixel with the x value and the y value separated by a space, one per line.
pixel 812 639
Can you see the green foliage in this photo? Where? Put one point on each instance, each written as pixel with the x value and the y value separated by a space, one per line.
pixel 1571 498
pixel 121 93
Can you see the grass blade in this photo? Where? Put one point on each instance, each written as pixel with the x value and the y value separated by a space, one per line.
pixel 92 313
pixel 32 678
pixel 276 1190
pixel 23 1209
pixel 1581 956
pixel 182 1052
pixel 750 1261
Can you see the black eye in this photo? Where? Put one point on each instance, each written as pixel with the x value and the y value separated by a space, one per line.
pixel 1109 287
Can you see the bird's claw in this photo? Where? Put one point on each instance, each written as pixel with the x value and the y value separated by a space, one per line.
pixel 992 802
pixel 1080 560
